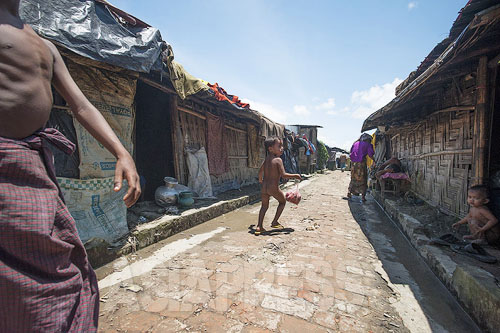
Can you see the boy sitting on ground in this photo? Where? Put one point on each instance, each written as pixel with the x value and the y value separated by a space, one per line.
pixel 483 225
pixel 269 176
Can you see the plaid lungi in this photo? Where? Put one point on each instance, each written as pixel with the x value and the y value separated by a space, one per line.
pixel 46 282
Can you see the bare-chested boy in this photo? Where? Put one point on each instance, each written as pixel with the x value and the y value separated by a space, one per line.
pixel 269 176
pixel 46 282
pixel 483 225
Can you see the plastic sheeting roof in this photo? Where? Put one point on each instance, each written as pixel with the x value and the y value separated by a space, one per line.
pixel 96 30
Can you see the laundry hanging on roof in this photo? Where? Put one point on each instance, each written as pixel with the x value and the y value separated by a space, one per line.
pixel 184 83
pixel 222 95
pixel 218 162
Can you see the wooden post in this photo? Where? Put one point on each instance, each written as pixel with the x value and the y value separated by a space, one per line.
pixel 177 143
pixel 481 132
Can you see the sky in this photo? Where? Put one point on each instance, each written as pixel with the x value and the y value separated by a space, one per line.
pixel 318 62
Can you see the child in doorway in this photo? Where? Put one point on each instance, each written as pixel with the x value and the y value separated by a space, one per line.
pixel 483 225
pixel 269 176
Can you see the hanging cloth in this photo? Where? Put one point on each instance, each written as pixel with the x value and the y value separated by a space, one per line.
pixel 218 162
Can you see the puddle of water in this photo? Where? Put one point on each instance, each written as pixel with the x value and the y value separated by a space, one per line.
pixel 159 256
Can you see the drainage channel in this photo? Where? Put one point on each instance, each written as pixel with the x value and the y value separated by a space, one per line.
pixel 409 273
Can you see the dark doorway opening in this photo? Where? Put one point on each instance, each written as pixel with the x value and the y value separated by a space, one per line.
pixel 153 142
pixel 495 130
pixel 494 156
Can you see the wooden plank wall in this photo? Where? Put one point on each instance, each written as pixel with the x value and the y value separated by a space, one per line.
pixel 437 153
pixel 194 132
pixel 237 148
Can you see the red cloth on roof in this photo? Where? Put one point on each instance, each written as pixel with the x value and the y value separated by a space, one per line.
pixel 46 282
pixel 218 162
pixel 222 95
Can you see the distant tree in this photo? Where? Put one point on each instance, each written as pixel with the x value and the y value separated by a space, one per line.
pixel 322 155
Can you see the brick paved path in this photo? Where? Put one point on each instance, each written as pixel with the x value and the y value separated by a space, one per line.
pixel 319 278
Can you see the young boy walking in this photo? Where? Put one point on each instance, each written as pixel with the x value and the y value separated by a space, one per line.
pixel 269 176
pixel 483 225
pixel 46 282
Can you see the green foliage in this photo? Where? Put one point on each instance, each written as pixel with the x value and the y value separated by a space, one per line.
pixel 322 155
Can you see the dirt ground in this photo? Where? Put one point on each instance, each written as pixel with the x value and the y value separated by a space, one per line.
pixel 318 275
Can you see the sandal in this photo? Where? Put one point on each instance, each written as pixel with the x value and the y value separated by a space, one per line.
pixel 447 240
pixel 475 251
pixel 259 232
pixel 277 226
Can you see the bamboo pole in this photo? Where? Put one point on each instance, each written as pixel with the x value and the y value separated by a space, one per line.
pixel 493 84
pixel 157 85
pixel 480 123
pixel 439 153
pixel 177 145
pixel 236 129
pixel 191 112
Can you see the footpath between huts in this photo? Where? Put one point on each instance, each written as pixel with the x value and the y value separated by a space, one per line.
pixel 163 226
pixel 473 283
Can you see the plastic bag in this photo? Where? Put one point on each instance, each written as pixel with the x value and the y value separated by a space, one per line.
pixel 293 196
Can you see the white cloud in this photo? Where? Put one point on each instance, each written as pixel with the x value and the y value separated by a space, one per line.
pixel 412 5
pixel 365 102
pixel 267 110
pixel 331 142
pixel 301 110
pixel 328 105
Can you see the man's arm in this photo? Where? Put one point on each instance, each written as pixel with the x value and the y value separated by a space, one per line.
pixel 94 122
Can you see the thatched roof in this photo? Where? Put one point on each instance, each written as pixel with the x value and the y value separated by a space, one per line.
pixel 475 32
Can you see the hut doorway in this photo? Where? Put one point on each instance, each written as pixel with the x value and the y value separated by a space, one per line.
pixel 153 138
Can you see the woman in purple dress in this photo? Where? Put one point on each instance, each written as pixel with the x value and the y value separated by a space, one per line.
pixel 359 173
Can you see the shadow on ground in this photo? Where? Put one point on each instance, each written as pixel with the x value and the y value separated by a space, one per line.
pixel 408 272
pixel 270 232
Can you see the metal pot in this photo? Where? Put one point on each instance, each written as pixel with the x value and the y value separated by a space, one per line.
pixel 186 199
pixel 167 195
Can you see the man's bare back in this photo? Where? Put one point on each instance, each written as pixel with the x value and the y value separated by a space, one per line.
pixel 29 67
pixel 26 70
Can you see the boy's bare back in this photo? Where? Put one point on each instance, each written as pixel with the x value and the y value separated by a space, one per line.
pixel 26 70
pixel 272 174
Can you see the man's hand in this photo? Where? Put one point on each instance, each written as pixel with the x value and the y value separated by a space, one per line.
pixel 125 168
pixel 298 177
pixel 455 225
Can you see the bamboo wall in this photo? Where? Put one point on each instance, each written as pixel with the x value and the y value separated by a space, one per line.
pixel 437 153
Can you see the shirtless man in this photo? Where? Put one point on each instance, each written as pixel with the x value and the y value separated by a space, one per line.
pixel 46 282
pixel 483 225
pixel 269 176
